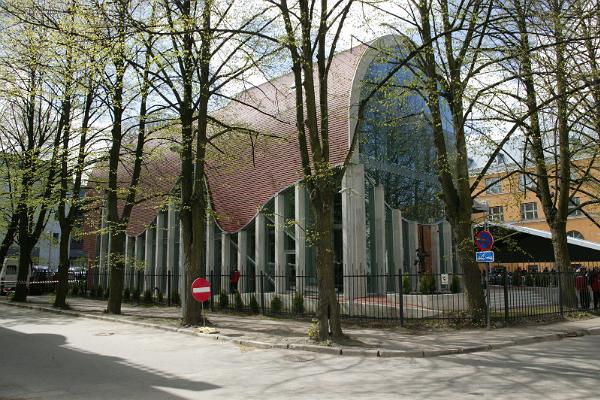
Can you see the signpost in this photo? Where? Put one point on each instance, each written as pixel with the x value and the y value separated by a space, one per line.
pixel 445 280
pixel 201 293
pixel 484 242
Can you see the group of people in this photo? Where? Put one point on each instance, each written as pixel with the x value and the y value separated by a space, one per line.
pixel 584 280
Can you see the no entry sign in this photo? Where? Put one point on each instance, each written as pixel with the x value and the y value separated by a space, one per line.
pixel 484 240
pixel 201 290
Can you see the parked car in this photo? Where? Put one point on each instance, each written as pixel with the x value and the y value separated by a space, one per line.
pixel 8 275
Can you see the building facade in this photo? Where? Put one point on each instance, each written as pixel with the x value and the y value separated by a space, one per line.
pixel 387 214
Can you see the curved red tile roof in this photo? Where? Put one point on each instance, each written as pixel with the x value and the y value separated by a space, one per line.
pixel 251 173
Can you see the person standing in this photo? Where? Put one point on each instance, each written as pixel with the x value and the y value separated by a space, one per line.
pixel 581 285
pixel 595 284
pixel 234 278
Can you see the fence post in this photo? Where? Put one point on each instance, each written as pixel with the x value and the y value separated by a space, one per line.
pixel 169 288
pixel 560 297
pixel 505 275
pixel 401 291
pixel 262 292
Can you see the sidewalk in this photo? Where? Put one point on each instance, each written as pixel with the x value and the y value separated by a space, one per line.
pixel 264 332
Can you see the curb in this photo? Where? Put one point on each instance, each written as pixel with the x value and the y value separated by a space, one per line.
pixel 353 352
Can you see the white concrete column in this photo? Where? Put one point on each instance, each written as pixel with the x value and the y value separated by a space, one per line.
pixel 148 261
pixel 210 245
pixel 380 269
pixel 103 244
pixel 398 242
pixel 242 260
pixel 448 256
pixel 280 269
pixel 184 286
pixel 126 261
pixel 171 234
pixel 300 235
pixel 225 261
pixel 137 257
pixel 260 255
pixel 160 269
pixel 435 253
pixel 354 236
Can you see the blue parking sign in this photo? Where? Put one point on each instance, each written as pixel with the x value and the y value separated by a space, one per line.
pixel 484 256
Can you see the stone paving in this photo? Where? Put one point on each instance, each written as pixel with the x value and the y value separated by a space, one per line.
pixel 293 333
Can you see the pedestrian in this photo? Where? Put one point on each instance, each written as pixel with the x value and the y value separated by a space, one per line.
pixel 581 284
pixel 234 278
pixel 595 283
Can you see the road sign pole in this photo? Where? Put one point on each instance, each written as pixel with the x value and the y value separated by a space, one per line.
pixel 203 316
pixel 487 289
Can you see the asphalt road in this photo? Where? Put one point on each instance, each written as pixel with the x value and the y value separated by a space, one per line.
pixel 47 356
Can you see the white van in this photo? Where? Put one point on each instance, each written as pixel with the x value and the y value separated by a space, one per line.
pixel 8 274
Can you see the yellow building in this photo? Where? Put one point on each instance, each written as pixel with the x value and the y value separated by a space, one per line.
pixel 511 200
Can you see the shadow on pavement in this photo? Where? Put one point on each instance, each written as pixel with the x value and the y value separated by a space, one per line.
pixel 43 366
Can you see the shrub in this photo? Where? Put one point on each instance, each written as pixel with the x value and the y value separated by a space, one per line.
pixel 159 297
pixel 99 292
pixel 254 305
pixel 276 305
pixel 298 304
pixel 135 295
pixel 92 292
pixel 516 278
pixel 239 304
pixel 175 299
pixel 126 294
pixel 427 284
pixel 223 300
pixel 148 296
pixel 75 290
pixel 455 284
pixel 313 330
pixel 406 285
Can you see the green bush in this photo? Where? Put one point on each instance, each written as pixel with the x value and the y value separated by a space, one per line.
pixel 455 284
pixel 159 297
pixel 427 284
pixel 298 304
pixel 276 305
pixel 148 296
pixel 99 292
pixel 135 295
pixel 254 305
pixel 126 294
pixel 239 304
pixel 175 299
pixel 406 289
pixel 75 290
pixel 223 300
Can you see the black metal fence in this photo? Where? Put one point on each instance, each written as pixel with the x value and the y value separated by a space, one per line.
pixel 395 297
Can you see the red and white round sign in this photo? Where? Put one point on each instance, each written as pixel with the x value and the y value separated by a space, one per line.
pixel 201 290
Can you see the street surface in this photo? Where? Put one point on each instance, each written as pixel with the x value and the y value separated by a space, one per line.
pixel 48 356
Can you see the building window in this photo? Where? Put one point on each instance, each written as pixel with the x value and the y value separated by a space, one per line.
pixel 526 182
pixel 529 211
pixel 496 214
pixel 494 185
pixel 575 234
pixel 573 204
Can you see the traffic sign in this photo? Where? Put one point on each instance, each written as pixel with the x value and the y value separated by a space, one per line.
pixel 484 256
pixel 201 290
pixel 444 279
pixel 484 240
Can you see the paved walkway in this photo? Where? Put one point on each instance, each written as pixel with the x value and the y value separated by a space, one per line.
pixel 285 333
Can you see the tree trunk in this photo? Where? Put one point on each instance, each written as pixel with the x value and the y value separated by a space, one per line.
pixel 563 264
pixel 9 237
pixel 117 272
pixel 465 253
pixel 328 312
pixel 25 248
pixel 62 287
